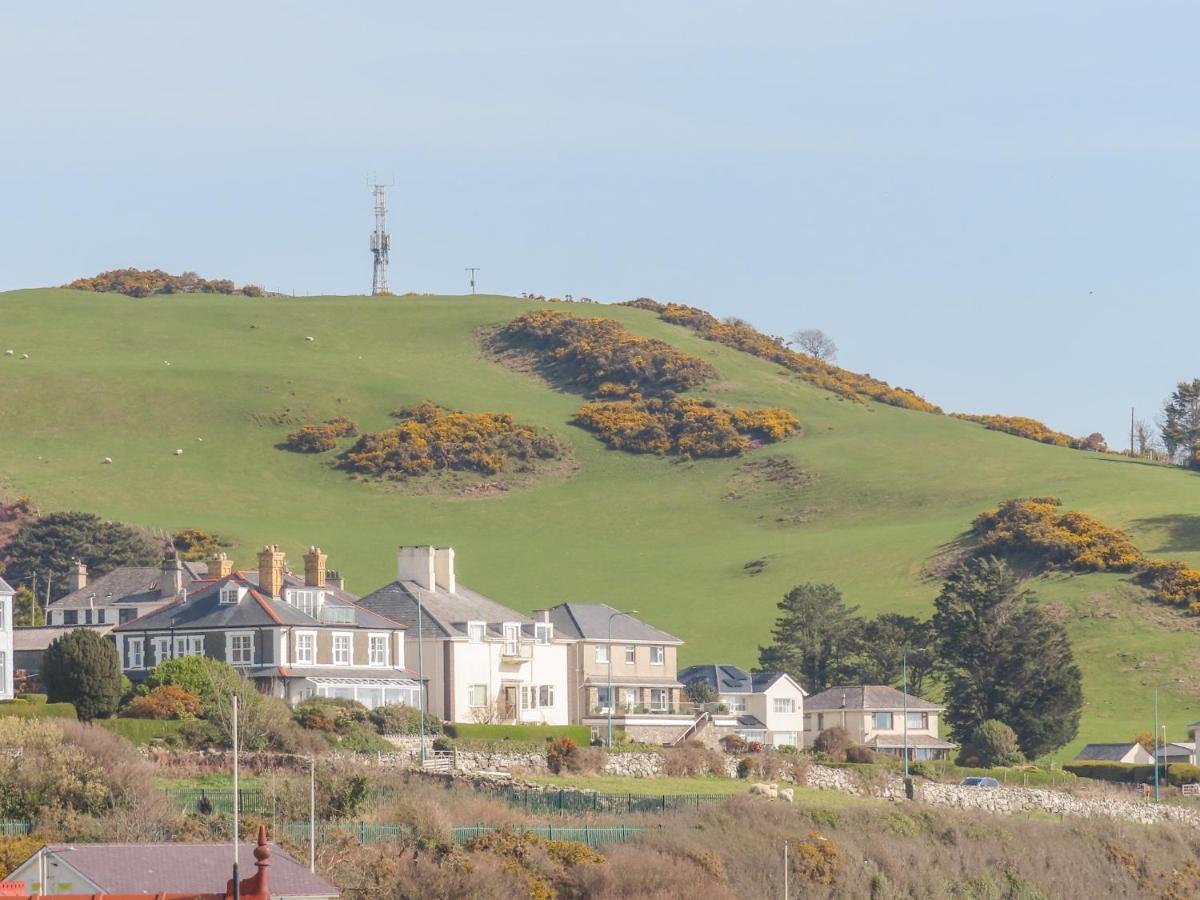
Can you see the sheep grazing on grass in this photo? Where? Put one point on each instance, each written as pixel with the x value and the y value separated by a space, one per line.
pixel 24 356
pixel 107 461
pixel 179 452
pixel 770 791
pixel 310 338
pixel 10 353
pixel 788 794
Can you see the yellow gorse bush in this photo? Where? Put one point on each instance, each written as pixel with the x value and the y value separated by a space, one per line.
pixel 1034 430
pixel 144 282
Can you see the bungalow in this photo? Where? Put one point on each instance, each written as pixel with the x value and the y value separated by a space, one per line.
pixel 127 591
pixel 874 715
pixel 769 706
pixel 296 637
pixel 6 640
pixel 1127 752
pixel 483 662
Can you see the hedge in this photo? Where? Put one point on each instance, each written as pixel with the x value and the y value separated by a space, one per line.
pixel 143 731
pixel 24 710
pixel 1130 773
pixel 580 734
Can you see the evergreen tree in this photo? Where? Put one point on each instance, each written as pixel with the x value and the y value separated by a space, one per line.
pixel 1181 419
pixel 82 668
pixel 47 547
pixel 26 609
pixel 1003 658
pixel 884 640
pixel 815 637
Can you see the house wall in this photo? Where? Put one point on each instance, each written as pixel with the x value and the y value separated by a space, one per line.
pixel 6 645
pixel 861 724
pixel 641 667
pixel 789 724
pixel 481 663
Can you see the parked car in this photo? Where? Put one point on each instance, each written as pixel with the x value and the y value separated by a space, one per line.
pixel 980 781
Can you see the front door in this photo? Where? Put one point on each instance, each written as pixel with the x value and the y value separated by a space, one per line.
pixel 510 702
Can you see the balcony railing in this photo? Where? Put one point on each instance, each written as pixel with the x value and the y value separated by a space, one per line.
pixel 518 650
pixel 637 709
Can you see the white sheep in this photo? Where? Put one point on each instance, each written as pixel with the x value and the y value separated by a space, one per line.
pixel 10 353
pixel 179 452
pixel 107 461
pixel 788 794
pixel 310 338
pixel 24 356
pixel 770 791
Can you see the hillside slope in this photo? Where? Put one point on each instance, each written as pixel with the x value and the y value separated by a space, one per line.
pixel 879 492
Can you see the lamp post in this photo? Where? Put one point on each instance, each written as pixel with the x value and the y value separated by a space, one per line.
pixel 1156 687
pixel 609 649
pixel 904 694
pixel 421 681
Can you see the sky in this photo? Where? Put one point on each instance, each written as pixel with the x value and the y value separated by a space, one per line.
pixel 995 205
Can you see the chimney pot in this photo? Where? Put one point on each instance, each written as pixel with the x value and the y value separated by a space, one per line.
pixel 314 567
pixel 270 570
pixel 219 566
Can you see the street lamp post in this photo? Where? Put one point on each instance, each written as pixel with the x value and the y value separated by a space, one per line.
pixel 609 650
pixel 421 681
pixel 904 693
pixel 1156 758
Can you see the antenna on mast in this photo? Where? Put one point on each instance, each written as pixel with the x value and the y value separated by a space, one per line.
pixel 381 241
pixel 472 270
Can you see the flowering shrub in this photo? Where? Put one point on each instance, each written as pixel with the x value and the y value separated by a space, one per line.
pixel 430 437
pixel 1173 582
pixel 321 438
pixel 1036 431
pixel 749 339
pixel 561 755
pixel 684 426
pixel 167 702
pixel 602 357
pixel 143 283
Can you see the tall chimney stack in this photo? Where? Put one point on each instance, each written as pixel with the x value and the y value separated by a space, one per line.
pixel 416 564
pixel 443 569
pixel 270 570
pixel 77 575
pixel 170 583
pixel 334 579
pixel 219 565
pixel 314 567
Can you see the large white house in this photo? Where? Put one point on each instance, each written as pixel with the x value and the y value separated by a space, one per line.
pixel 483 662
pixel 6 640
pixel 768 706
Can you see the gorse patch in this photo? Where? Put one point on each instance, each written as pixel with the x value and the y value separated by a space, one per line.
pixel 1039 528
pixel 145 282
pixel 430 437
pixel 684 426
pixel 1021 426
pixel 321 438
pixel 749 339
pixel 601 356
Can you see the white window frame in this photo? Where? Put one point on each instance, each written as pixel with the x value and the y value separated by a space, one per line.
pixel 372 639
pixel 735 702
pixel 283 648
pixel 665 694
pixel 162 648
pixel 471 699
pixel 135 653
pixel 231 593
pixel 602 653
pixel 631 654
pixel 294 595
pixel 477 632
pixel 543 632
pixel 185 645
pixel 230 636
pixel 349 636
pixel 789 705
pixel 512 638
pixel 659 651
pixel 312 656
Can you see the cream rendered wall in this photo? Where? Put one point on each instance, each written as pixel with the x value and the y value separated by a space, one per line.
pixel 763 705
pixel 861 725
pixel 6 645
pixel 641 667
pixel 480 663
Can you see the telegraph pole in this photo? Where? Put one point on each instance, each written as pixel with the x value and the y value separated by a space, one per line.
pixel 472 270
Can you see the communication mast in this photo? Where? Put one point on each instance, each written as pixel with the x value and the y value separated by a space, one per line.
pixel 381 241
pixel 472 270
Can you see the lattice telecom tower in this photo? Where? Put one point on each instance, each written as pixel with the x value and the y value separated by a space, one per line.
pixel 381 241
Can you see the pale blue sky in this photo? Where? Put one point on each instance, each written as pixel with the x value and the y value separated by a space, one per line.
pixel 995 205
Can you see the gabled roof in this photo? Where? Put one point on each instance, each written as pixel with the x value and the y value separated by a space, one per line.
pixel 591 621
pixel 39 637
pixel 204 609
pixel 1107 752
pixel 866 697
pixel 5 588
pixel 443 614
pixel 126 585
pixel 728 679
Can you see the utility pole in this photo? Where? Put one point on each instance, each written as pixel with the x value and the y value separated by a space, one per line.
pixel 381 242
pixel 472 270
pixel 1131 451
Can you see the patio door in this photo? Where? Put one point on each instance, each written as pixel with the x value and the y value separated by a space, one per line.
pixel 509 700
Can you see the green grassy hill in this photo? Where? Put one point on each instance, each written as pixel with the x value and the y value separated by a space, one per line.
pixel 882 490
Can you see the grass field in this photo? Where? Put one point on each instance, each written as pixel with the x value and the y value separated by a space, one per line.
pixel 884 489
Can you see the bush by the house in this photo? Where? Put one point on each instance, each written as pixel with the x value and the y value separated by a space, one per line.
pixel 432 438
pixel 333 715
pixel 321 438
pixel 833 743
pixel 401 719
pixel 167 702
pixel 83 669
pixel 692 759
pixel 992 744
pixel 602 356
pixel 23 709
pixel 145 282
pixel 859 754
pixel 561 755
pixel 684 426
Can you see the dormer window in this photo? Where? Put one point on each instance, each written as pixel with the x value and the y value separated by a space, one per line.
pixel 543 632
pixel 230 594
pixel 476 632
pixel 307 601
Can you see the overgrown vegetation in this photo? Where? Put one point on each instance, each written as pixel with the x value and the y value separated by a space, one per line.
pixel 431 438
pixel 684 426
pixel 321 438
pixel 196 543
pixel 1034 430
pixel 147 282
pixel 745 337
pixel 83 669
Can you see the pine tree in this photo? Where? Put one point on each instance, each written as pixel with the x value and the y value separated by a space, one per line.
pixel 1181 419
pixel 815 638
pixel 83 668
pixel 1003 658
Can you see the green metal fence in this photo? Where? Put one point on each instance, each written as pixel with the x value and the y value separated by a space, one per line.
pixel 579 802
pixel 219 800
pixel 11 828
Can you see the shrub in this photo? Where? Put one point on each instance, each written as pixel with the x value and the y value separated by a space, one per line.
pixel 684 426
pixel 401 719
pixel 146 731
pixel 745 767
pixel 992 744
pixel 733 744
pixel 692 759
pixel 167 702
pixel 1183 773
pixel 82 668
pixel 211 680
pixel 361 738
pixel 431 438
pixel 15 849
pixel 818 859
pixel 321 438
pixel 529 734
pixel 858 753
pixel 833 743
pixel 145 282
pixel 603 357
pixel 35 698
pixel 1034 430
pixel 748 339
pixel 196 543
pixel 561 755
pixel 1124 773
pixel 22 710
pixel 331 714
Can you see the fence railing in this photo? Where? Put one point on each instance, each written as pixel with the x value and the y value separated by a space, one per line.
pixel 219 800
pixel 577 802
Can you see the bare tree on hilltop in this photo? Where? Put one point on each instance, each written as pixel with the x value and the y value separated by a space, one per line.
pixel 817 343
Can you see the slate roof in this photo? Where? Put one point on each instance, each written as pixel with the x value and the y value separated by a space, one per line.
pixel 183 868
pixel 1106 752
pixel 5 588
pixel 866 697
pixel 39 637
pixel 590 622
pixel 126 585
pixel 203 609
pixel 727 679
pixel 443 614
